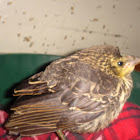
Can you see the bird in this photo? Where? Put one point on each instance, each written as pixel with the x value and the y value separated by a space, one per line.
pixel 80 93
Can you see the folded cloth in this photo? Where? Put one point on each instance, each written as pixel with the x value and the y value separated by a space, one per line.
pixel 125 127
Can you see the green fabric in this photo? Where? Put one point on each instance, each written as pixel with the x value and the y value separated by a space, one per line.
pixel 16 67
pixel 135 95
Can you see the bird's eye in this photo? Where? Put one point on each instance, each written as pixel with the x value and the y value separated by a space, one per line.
pixel 120 63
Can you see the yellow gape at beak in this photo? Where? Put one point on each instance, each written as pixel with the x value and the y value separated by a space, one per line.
pixel 131 63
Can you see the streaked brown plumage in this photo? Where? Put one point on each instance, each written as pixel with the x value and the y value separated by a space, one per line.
pixel 81 93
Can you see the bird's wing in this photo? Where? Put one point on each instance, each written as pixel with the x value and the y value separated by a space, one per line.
pixel 80 95
pixel 34 115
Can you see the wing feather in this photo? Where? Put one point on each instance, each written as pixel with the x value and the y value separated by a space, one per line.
pixel 31 86
pixel 40 114
pixel 78 99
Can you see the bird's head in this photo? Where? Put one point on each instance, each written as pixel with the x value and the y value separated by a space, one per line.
pixel 109 60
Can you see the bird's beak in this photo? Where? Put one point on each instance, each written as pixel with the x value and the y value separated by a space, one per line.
pixel 132 61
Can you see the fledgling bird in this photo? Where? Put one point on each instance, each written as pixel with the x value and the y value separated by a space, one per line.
pixel 81 93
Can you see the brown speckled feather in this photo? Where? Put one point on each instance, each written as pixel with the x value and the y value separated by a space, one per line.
pixel 74 93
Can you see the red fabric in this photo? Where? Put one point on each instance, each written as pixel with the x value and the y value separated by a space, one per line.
pixel 125 127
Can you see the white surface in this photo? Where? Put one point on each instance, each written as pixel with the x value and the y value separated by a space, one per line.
pixel 63 26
